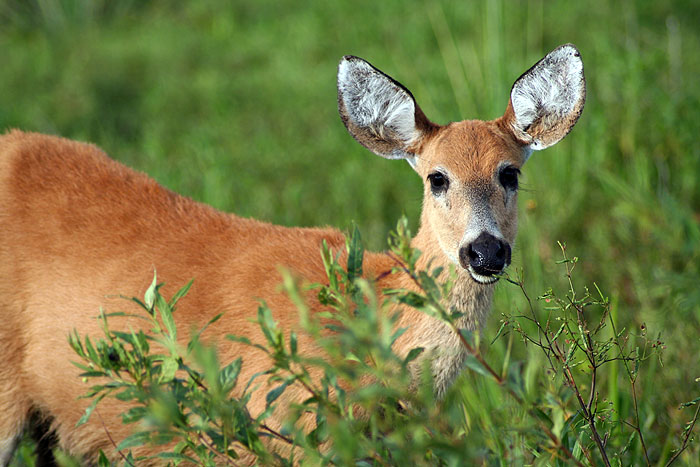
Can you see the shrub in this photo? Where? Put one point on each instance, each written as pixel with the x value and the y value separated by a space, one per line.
pixel 366 407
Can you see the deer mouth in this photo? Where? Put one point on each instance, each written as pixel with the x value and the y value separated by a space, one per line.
pixel 484 279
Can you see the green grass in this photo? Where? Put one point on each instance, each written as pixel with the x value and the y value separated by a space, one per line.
pixel 233 104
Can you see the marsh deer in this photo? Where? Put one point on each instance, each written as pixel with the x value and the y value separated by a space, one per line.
pixel 76 228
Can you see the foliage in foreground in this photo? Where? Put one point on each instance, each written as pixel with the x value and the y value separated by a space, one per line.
pixel 181 397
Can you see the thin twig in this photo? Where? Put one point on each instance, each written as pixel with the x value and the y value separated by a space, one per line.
pixel 276 434
pixel 111 440
pixel 632 380
pixel 586 408
pixel 213 449
pixel 501 381
pixel 688 432
pixel 636 413
pixel 540 331
pixel 589 416
pixel 591 397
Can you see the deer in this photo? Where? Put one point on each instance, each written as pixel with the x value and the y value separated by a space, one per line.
pixel 79 227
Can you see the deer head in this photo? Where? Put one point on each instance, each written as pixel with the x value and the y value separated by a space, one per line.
pixel 470 168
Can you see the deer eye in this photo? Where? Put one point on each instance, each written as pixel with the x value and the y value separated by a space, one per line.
pixel 438 183
pixel 508 176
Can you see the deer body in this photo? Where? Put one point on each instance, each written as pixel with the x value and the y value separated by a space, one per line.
pixel 77 229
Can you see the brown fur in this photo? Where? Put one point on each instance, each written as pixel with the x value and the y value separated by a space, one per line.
pixel 78 229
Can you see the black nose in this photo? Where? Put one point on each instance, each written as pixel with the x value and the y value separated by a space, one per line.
pixel 486 255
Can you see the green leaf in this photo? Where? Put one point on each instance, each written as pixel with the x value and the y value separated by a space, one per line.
pixel 195 337
pixel 149 297
pixel 570 354
pixel 228 376
pixel 246 341
pixel 166 314
pixel 328 265
pixel 689 403
pixel 577 452
pixel 429 285
pixel 88 411
pixel 137 439
pixel 268 326
pixel 467 334
pixel 240 339
pixel 293 343
pixel 168 369
pixel 558 333
pixel 177 456
pixel 128 394
pixel 275 393
pixel 180 293
pixel 134 414
pixel 355 254
pixel 76 343
pixel 102 460
pixel 92 374
pixel 541 415
pixel 500 330
pixel 398 333
pixel 412 299
pixel 472 363
pixel 90 350
pixel 412 355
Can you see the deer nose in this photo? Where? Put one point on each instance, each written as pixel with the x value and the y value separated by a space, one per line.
pixel 487 255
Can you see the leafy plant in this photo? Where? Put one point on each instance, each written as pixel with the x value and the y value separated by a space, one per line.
pixel 361 403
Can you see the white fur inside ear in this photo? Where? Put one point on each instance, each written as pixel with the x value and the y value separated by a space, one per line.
pixel 413 162
pixel 551 89
pixel 376 102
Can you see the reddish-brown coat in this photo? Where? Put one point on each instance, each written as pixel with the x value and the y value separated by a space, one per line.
pixel 78 229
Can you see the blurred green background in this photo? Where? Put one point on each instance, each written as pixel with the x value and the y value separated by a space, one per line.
pixel 233 103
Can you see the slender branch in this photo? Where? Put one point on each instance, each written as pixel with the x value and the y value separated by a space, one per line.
pixel 589 416
pixel 636 413
pixel 688 432
pixel 590 354
pixel 557 443
pixel 591 397
pixel 276 434
pixel 632 379
pixel 216 452
pixel 111 440
pixel 586 408
pixel 534 319
pixel 497 377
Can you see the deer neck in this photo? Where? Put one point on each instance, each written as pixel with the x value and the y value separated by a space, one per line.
pixel 441 343
pixel 467 296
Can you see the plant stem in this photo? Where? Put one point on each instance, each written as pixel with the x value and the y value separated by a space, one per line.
pixel 276 434
pixel 500 380
pixel 686 439
pixel 632 379
pixel 213 449
pixel 111 440
pixel 588 415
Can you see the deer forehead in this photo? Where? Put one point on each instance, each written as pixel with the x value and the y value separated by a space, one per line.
pixel 471 150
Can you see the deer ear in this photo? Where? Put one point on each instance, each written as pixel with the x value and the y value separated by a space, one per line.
pixel 547 100
pixel 379 112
